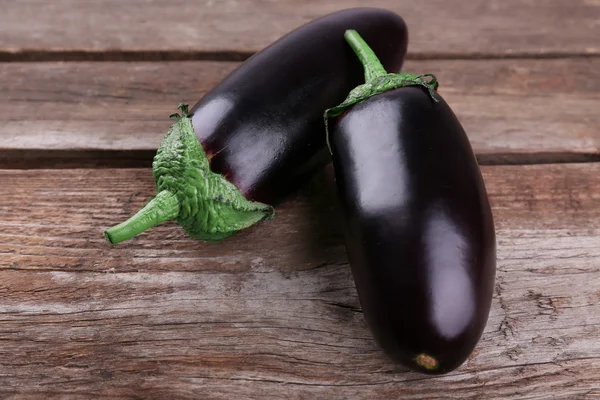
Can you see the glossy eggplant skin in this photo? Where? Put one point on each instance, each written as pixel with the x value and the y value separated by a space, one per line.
pixel 420 234
pixel 262 126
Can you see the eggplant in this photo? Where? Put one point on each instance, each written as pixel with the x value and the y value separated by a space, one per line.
pixel 420 234
pixel 257 136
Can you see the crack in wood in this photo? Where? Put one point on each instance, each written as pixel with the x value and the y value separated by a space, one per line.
pixel 507 326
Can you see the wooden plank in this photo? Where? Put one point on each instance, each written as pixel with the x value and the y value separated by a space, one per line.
pixel 437 27
pixel 111 113
pixel 272 312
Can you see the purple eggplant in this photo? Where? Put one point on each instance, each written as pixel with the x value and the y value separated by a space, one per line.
pixel 257 136
pixel 420 234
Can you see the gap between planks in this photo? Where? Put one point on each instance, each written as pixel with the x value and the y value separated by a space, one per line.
pixel 83 159
pixel 33 55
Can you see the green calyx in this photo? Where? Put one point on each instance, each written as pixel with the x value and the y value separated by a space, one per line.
pixel 377 79
pixel 204 203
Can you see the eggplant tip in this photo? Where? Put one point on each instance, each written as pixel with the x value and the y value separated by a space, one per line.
pixel 426 361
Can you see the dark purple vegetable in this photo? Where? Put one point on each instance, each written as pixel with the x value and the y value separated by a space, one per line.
pixel 263 123
pixel 420 233
pixel 258 135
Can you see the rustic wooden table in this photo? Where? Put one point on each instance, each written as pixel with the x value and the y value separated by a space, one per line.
pixel 85 91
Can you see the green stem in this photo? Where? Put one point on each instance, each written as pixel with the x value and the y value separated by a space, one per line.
pixel 377 80
pixel 162 208
pixel 370 62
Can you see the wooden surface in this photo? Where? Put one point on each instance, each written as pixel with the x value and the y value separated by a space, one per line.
pixel 272 312
pixel 208 28
pixel 552 105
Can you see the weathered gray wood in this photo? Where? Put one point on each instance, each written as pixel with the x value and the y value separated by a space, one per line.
pixel 437 27
pixel 272 312
pixel 513 110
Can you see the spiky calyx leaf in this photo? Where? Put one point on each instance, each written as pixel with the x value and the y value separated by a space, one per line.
pixel 207 205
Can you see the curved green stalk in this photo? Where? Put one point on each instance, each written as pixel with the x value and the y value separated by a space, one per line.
pixel 377 79
pixel 162 208
pixel 205 204
pixel 366 56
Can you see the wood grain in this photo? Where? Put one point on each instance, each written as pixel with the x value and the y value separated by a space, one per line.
pixel 109 114
pixel 437 27
pixel 272 312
